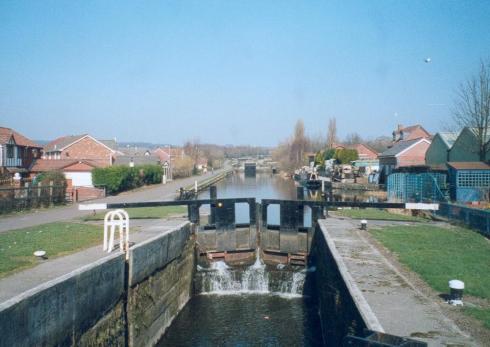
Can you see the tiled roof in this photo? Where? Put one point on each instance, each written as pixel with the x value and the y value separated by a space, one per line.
pixel 42 165
pixel 399 147
pixel 62 142
pixel 470 165
pixel 7 133
pixel 112 144
pixel 137 160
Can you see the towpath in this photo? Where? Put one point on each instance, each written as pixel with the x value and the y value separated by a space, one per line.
pixel 150 193
pixel 53 268
pixel 397 306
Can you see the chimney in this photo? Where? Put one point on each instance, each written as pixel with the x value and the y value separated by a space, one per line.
pixel 400 127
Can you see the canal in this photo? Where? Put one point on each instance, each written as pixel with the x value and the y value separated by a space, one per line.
pixel 256 304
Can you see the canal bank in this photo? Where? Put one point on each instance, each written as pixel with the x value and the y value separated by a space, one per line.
pixel 386 299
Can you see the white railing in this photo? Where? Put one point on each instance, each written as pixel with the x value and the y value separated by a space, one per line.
pixel 116 219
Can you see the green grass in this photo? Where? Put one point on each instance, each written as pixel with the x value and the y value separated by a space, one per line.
pixel 441 254
pixel 482 314
pixel 144 212
pixel 61 238
pixel 377 214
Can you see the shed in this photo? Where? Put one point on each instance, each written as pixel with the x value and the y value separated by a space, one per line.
pixel 466 147
pixel 469 181
pixel 438 151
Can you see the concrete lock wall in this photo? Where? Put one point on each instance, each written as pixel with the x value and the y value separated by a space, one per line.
pixel 160 278
pixel 340 308
pixel 63 311
pixel 111 302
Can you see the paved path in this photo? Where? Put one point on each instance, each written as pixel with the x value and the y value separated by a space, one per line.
pixel 400 308
pixel 151 193
pixel 53 268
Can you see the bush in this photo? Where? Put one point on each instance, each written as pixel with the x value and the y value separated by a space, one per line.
pixel 120 178
pixel 346 156
pixel 57 177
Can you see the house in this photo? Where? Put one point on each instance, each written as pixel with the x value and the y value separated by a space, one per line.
pixel 167 153
pixel 79 147
pixel 409 133
pixel 78 173
pixel 17 152
pixel 438 151
pixel 469 181
pixel 401 154
pixel 465 148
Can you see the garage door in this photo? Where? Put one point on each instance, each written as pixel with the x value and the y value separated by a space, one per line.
pixel 80 179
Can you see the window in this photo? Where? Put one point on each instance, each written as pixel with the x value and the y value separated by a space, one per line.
pixel 20 152
pixel 10 151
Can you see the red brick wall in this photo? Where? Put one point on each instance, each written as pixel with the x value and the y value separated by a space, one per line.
pixel 414 156
pixel 365 153
pixel 88 149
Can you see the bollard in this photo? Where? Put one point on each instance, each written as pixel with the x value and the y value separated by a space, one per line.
pixel 456 288
pixel 363 224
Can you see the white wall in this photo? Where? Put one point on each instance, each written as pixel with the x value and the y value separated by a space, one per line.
pixel 80 179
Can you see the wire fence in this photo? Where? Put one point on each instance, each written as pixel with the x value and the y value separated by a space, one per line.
pixel 35 196
pixel 417 187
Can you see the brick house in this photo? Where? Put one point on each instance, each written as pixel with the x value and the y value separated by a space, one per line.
pixel 403 154
pixel 409 133
pixel 79 147
pixel 78 173
pixel 17 152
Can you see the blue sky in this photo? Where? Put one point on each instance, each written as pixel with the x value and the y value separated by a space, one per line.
pixel 239 72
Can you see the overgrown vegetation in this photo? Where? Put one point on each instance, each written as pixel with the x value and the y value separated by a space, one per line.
pixel 441 254
pixel 120 178
pixel 17 246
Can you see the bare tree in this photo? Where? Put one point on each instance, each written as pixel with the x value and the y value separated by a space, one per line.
pixel 193 150
pixel 353 139
pixel 472 107
pixel 299 144
pixel 332 132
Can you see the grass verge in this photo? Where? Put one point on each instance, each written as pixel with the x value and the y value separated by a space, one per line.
pixel 441 254
pixel 61 238
pixel 143 212
pixel 377 214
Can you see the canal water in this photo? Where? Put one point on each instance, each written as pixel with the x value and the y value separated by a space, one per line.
pixel 255 305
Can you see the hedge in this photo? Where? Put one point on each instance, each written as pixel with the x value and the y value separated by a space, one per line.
pixel 120 178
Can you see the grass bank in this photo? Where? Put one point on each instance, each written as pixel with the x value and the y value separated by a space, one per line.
pixel 57 239
pixel 376 214
pixel 441 254
pixel 144 213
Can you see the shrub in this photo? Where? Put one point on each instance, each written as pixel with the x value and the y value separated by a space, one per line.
pixel 120 178
pixel 346 156
pixel 57 177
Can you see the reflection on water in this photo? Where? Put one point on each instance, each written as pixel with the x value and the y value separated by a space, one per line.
pixel 269 186
pixel 245 320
